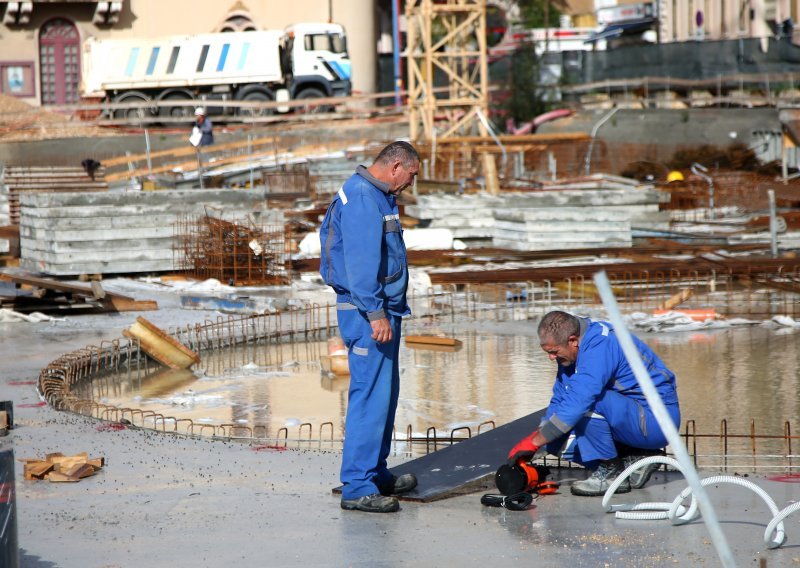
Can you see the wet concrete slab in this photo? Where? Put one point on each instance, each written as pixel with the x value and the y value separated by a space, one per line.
pixel 162 500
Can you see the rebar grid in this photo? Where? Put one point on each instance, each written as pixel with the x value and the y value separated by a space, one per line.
pixel 241 252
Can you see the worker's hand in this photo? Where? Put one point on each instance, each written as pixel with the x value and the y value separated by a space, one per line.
pixel 525 449
pixel 381 330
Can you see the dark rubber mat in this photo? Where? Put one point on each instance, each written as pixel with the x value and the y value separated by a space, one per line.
pixel 465 466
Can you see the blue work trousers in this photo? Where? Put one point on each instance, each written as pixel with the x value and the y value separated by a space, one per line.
pixel 616 417
pixel 371 403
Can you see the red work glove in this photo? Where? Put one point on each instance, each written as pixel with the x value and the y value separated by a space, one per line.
pixel 525 449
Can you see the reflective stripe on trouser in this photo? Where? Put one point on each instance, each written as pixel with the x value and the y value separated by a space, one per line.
pixel 371 403
pixel 621 418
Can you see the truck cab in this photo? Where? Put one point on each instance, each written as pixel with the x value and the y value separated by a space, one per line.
pixel 319 63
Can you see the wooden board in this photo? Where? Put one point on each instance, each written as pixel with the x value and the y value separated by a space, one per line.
pixel 465 466
pixel 160 346
pixel 433 340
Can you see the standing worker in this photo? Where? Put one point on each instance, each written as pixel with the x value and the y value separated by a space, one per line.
pixel 202 135
pixel 363 258
pixel 597 398
pixel 202 131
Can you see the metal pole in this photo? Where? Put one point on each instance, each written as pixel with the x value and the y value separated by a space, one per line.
pixel 773 224
pixel 700 171
pixel 660 412
pixel 398 80
pixel 199 167
pixel 595 128
pixel 249 153
pixel 147 151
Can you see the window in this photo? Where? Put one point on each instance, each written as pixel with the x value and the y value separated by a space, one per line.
pixel 59 62
pixel 325 42
pixel 17 79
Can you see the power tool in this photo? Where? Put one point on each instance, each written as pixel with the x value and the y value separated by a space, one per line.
pixel 518 483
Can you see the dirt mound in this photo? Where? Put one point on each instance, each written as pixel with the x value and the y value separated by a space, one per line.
pixel 21 121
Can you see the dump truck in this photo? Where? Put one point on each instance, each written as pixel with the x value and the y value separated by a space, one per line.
pixel 303 61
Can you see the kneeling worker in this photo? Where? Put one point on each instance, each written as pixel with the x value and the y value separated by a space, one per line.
pixel 597 398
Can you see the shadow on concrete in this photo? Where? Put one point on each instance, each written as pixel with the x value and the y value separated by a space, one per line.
pixel 28 561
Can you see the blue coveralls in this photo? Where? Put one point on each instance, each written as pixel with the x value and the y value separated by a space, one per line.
pixel 600 401
pixel 364 259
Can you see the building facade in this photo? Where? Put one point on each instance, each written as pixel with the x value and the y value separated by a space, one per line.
pixel 41 41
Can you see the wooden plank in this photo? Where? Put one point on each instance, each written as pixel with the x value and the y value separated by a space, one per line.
pixel 57 477
pixel 117 304
pixel 37 470
pixel 187 151
pixel 97 463
pixel 64 287
pixel 433 340
pixel 79 471
pixel 160 346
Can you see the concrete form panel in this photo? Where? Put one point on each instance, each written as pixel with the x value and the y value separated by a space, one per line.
pixel 118 232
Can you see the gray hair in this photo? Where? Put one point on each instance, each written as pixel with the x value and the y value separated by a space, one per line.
pixel 558 327
pixel 402 151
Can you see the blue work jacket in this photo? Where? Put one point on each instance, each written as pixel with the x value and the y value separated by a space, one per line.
pixel 601 365
pixel 363 257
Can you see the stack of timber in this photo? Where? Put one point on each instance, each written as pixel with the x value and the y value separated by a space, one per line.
pixel 57 467
pixel 120 232
pixel 590 213
pixel 26 293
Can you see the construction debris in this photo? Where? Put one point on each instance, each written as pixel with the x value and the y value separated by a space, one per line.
pixel 57 467
pixel 593 212
pixel 160 346
pixel 34 294
pixel 239 253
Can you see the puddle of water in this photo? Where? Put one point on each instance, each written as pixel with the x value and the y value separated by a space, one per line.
pixel 736 374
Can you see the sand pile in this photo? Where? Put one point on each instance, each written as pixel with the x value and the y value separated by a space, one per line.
pixel 21 121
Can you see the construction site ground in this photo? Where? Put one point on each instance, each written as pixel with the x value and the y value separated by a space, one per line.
pixel 162 500
pixel 167 500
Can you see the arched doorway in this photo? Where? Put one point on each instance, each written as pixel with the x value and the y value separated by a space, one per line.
pixel 59 62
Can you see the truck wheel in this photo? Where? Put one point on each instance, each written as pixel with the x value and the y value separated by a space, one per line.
pixel 133 114
pixel 175 111
pixel 312 94
pixel 256 96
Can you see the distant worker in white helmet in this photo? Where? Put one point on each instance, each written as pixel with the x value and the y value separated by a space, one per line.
pixel 202 132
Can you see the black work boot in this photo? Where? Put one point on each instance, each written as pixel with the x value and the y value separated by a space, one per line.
pixel 398 485
pixel 375 503
pixel 601 479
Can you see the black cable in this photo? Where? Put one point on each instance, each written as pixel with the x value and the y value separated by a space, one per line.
pixel 517 502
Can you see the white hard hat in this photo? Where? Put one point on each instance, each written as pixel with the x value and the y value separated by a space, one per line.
pixel 199 111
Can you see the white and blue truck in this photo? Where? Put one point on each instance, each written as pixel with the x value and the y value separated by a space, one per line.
pixel 303 61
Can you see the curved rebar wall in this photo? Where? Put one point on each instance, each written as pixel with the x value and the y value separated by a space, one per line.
pixel 58 381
